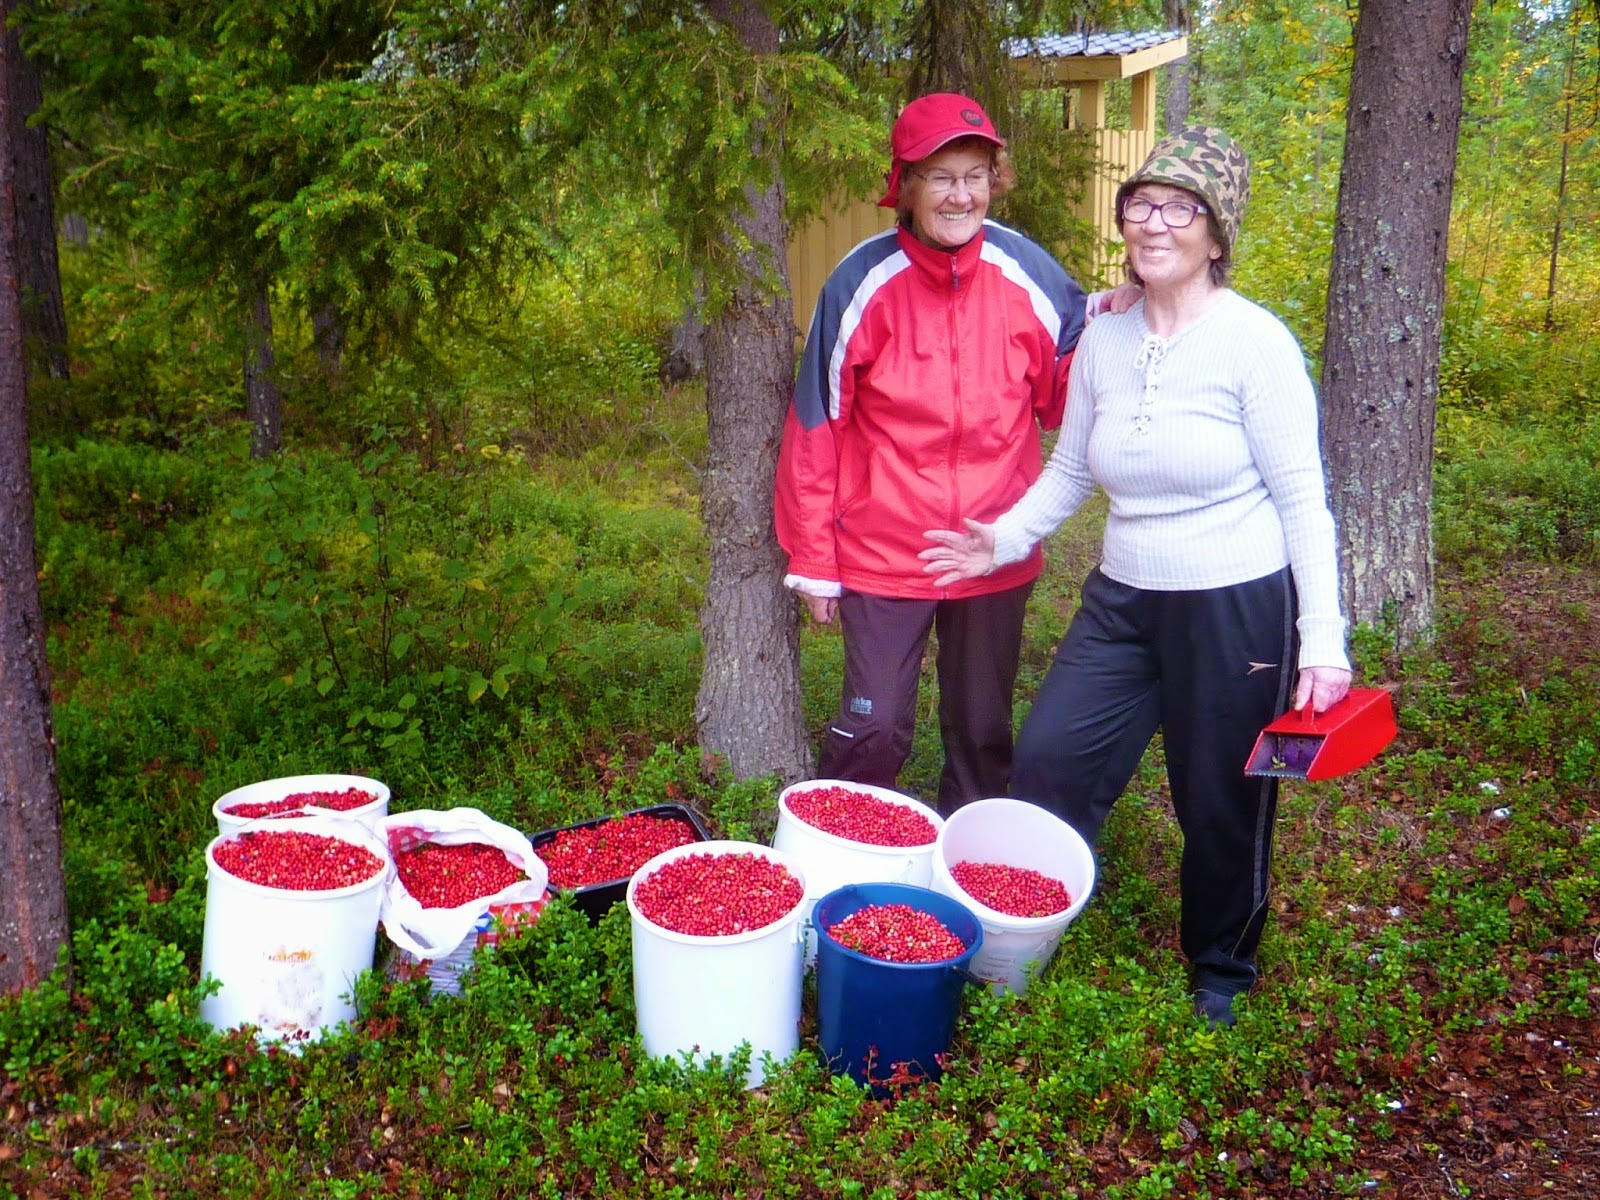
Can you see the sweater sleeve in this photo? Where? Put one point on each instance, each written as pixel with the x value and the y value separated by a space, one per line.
pixel 1280 422
pixel 1065 482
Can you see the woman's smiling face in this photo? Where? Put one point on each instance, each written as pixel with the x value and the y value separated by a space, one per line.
pixel 947 210
pixel 1163 255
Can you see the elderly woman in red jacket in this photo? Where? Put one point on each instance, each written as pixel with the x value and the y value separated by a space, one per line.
pixel 937 353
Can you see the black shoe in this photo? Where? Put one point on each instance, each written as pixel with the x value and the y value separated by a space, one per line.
pixel 1216 1008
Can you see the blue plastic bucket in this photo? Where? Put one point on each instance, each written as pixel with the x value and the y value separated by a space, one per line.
pixel 881 1021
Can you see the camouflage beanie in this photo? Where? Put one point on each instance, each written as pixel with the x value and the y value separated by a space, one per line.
pixel 1204 161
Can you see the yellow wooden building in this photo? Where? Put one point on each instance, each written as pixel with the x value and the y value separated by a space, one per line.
pixel 1082 66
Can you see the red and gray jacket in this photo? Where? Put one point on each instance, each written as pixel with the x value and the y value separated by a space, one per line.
pixel 925 381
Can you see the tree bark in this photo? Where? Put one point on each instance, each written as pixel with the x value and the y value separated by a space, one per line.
pixel 1567 91
pixel 749 710
pixel 955 47
pixel 44 314
pixel 1176 114
pixel 327 333
pixel 1380 379
pixel 33 903
pixel 263 403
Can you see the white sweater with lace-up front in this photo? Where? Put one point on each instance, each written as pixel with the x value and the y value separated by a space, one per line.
pixel 1206 445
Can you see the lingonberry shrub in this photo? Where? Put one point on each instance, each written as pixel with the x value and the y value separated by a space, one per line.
pixel 716 895
pixel 897 933
pixel 612 850
pixel 861 817
pixel 440 876
pixel 296 861
pixel 344 801
pixel 1015 891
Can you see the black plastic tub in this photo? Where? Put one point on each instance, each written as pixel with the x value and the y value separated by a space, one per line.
pixel 596 898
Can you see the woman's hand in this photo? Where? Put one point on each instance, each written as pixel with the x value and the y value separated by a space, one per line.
pixel 821 608
pixel 1123 297
pixel 1321 687
pixel 959 555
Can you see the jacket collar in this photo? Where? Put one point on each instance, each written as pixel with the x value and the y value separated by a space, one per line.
pixel 944 269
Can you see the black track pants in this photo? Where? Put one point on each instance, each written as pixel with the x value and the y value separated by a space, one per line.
pixel 1209 668
pixel 979 641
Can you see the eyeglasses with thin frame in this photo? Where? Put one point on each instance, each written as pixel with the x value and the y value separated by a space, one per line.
pixel 1176 214
pixel 940 182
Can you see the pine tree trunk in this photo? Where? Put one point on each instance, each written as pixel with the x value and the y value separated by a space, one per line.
pixel 33 905
pixel 263 403
pixel 1380 380
pixel 44 314
pixel 327 334
pixel 1176 113
pixel 955 47
pixel 748 710
pixel 1561 181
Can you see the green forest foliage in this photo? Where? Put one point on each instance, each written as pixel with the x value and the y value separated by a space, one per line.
pixel 475 572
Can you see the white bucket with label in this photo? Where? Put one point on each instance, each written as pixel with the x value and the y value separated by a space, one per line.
pixel 832 862
pixel 287 960
pixel 1014 833
pixel 706 995
pixel 268 791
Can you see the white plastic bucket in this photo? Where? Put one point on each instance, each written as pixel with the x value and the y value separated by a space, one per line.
pixel 832 862
pixel 1016 834
pixel 287 960
pixel 707 995
pixel 268 790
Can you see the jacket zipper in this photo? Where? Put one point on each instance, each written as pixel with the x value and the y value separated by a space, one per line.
pixel 955 394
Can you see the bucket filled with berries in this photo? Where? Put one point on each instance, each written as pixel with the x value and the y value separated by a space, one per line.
pixel 854 833
pixel 461 880
pixel 717 946
pixel 353 796
pixel 892 963
pixel 1025 872
pixel 594 859
pixel 291 919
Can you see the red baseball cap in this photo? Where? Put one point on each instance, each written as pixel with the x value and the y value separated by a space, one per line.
pixel 929 122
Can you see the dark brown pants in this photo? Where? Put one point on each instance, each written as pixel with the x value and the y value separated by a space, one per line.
pixel 979 641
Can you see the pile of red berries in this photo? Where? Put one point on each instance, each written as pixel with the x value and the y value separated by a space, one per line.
pixel 716 895
pixel 295 861
pixel 897 933
pixel 1015 891
pixel 612 850
pixel 862 817
pixel 338 801
pixel 439 876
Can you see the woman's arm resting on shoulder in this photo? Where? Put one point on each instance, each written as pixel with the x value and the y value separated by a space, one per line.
pixel 964 555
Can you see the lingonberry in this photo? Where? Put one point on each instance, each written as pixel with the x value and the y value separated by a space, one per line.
pixel 344 801
pixel 612 850
pixel 1015 891
pixel 717 895
pixel 296 861
pixel 440 876
pixel 897 933
pixel 861 817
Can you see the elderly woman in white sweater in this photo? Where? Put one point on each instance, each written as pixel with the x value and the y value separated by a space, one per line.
pixel 1216 601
